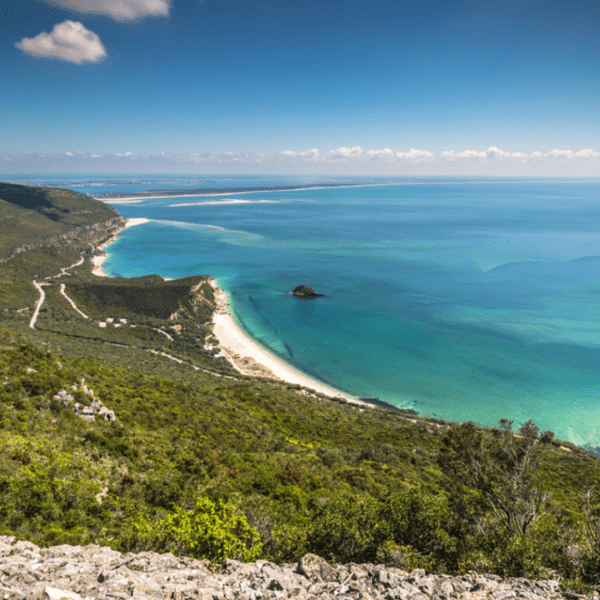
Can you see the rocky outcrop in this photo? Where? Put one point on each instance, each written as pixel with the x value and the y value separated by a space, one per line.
pixel 196 297
pixel 303 291
pixel 91 572
pixel 89 410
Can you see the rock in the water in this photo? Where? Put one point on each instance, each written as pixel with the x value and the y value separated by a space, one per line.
pixel 303 291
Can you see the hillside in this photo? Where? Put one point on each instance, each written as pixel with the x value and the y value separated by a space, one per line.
pixel 202 460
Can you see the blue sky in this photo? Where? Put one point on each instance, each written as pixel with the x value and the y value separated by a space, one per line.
pixel 257 86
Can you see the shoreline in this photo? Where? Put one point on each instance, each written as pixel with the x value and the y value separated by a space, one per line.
pixel 145 195
pixel 250 358
pixel 100 256
pixel 245 354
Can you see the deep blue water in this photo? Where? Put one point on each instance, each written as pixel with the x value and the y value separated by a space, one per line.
pixel 465 299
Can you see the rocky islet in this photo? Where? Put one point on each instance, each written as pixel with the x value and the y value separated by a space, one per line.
pixel 303 291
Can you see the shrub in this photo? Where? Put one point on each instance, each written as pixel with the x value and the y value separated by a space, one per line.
pixel 347 529
pixel 420 520
pixel 211 530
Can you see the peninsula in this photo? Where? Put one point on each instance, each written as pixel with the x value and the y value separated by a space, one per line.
pixel 171 193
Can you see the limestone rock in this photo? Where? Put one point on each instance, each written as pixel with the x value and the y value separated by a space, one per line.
pixel 51 593
pixel 95 572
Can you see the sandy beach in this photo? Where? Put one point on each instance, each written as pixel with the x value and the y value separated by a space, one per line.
pixel 101 256
pixel 246 355
pixel 250 358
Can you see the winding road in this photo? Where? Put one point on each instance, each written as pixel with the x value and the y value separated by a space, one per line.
pixel 40 289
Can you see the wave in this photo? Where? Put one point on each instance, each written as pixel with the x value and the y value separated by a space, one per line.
pixel 507 265
pixel 588 258
pixel 530 326
pixel 518 263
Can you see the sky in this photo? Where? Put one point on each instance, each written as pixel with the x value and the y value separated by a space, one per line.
pixel 386 87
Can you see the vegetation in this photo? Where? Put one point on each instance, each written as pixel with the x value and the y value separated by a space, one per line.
pixel 204 461
pixel 212 530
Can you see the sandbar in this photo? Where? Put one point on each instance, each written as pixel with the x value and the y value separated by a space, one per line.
pixel 143 196
pixel 249 358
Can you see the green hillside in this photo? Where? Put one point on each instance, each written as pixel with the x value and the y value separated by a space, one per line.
pixel 193 443
pixel 35 215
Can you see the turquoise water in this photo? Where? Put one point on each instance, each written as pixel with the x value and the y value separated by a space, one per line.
pixel 466 300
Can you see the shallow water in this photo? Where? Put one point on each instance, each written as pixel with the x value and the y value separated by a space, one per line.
pixel 467 300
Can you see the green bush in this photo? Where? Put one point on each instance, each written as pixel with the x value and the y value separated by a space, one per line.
pixel 348 528
pixel 212 530
pixel 420 520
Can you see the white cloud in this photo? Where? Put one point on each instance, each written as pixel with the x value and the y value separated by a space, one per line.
pixel 69 41
pixel 388 155
pixel 385 154
pixel 414 154
pixel 344 160
pixel 307 155
pixel 119 10
pixel 587 153
pixel 451 155
pixel 344 152
pixel 494 153
pixel 561 154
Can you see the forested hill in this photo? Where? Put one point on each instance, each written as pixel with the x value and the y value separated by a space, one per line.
pixel 121 423
pixel 36 217
pixel 41 230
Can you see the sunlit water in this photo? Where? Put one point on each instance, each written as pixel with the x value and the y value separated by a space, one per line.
pixel 467 300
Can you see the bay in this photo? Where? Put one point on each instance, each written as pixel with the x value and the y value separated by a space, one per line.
pixel 464 299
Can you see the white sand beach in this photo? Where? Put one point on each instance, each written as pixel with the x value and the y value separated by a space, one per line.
pixel 101 256
pixel 246 355
pixel 250 358
pixel 134 222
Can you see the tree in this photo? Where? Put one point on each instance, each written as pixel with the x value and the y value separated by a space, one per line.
pixel 502 467
pixel 418 519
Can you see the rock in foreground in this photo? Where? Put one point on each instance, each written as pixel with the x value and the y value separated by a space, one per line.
pixel 303 291
pixel 94 572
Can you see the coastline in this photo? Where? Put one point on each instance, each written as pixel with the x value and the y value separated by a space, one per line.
pixel 245 355
pixel 250 358
pixel 146 195
pixel 100 256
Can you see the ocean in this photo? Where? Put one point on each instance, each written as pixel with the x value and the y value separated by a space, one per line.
pixel 465 299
